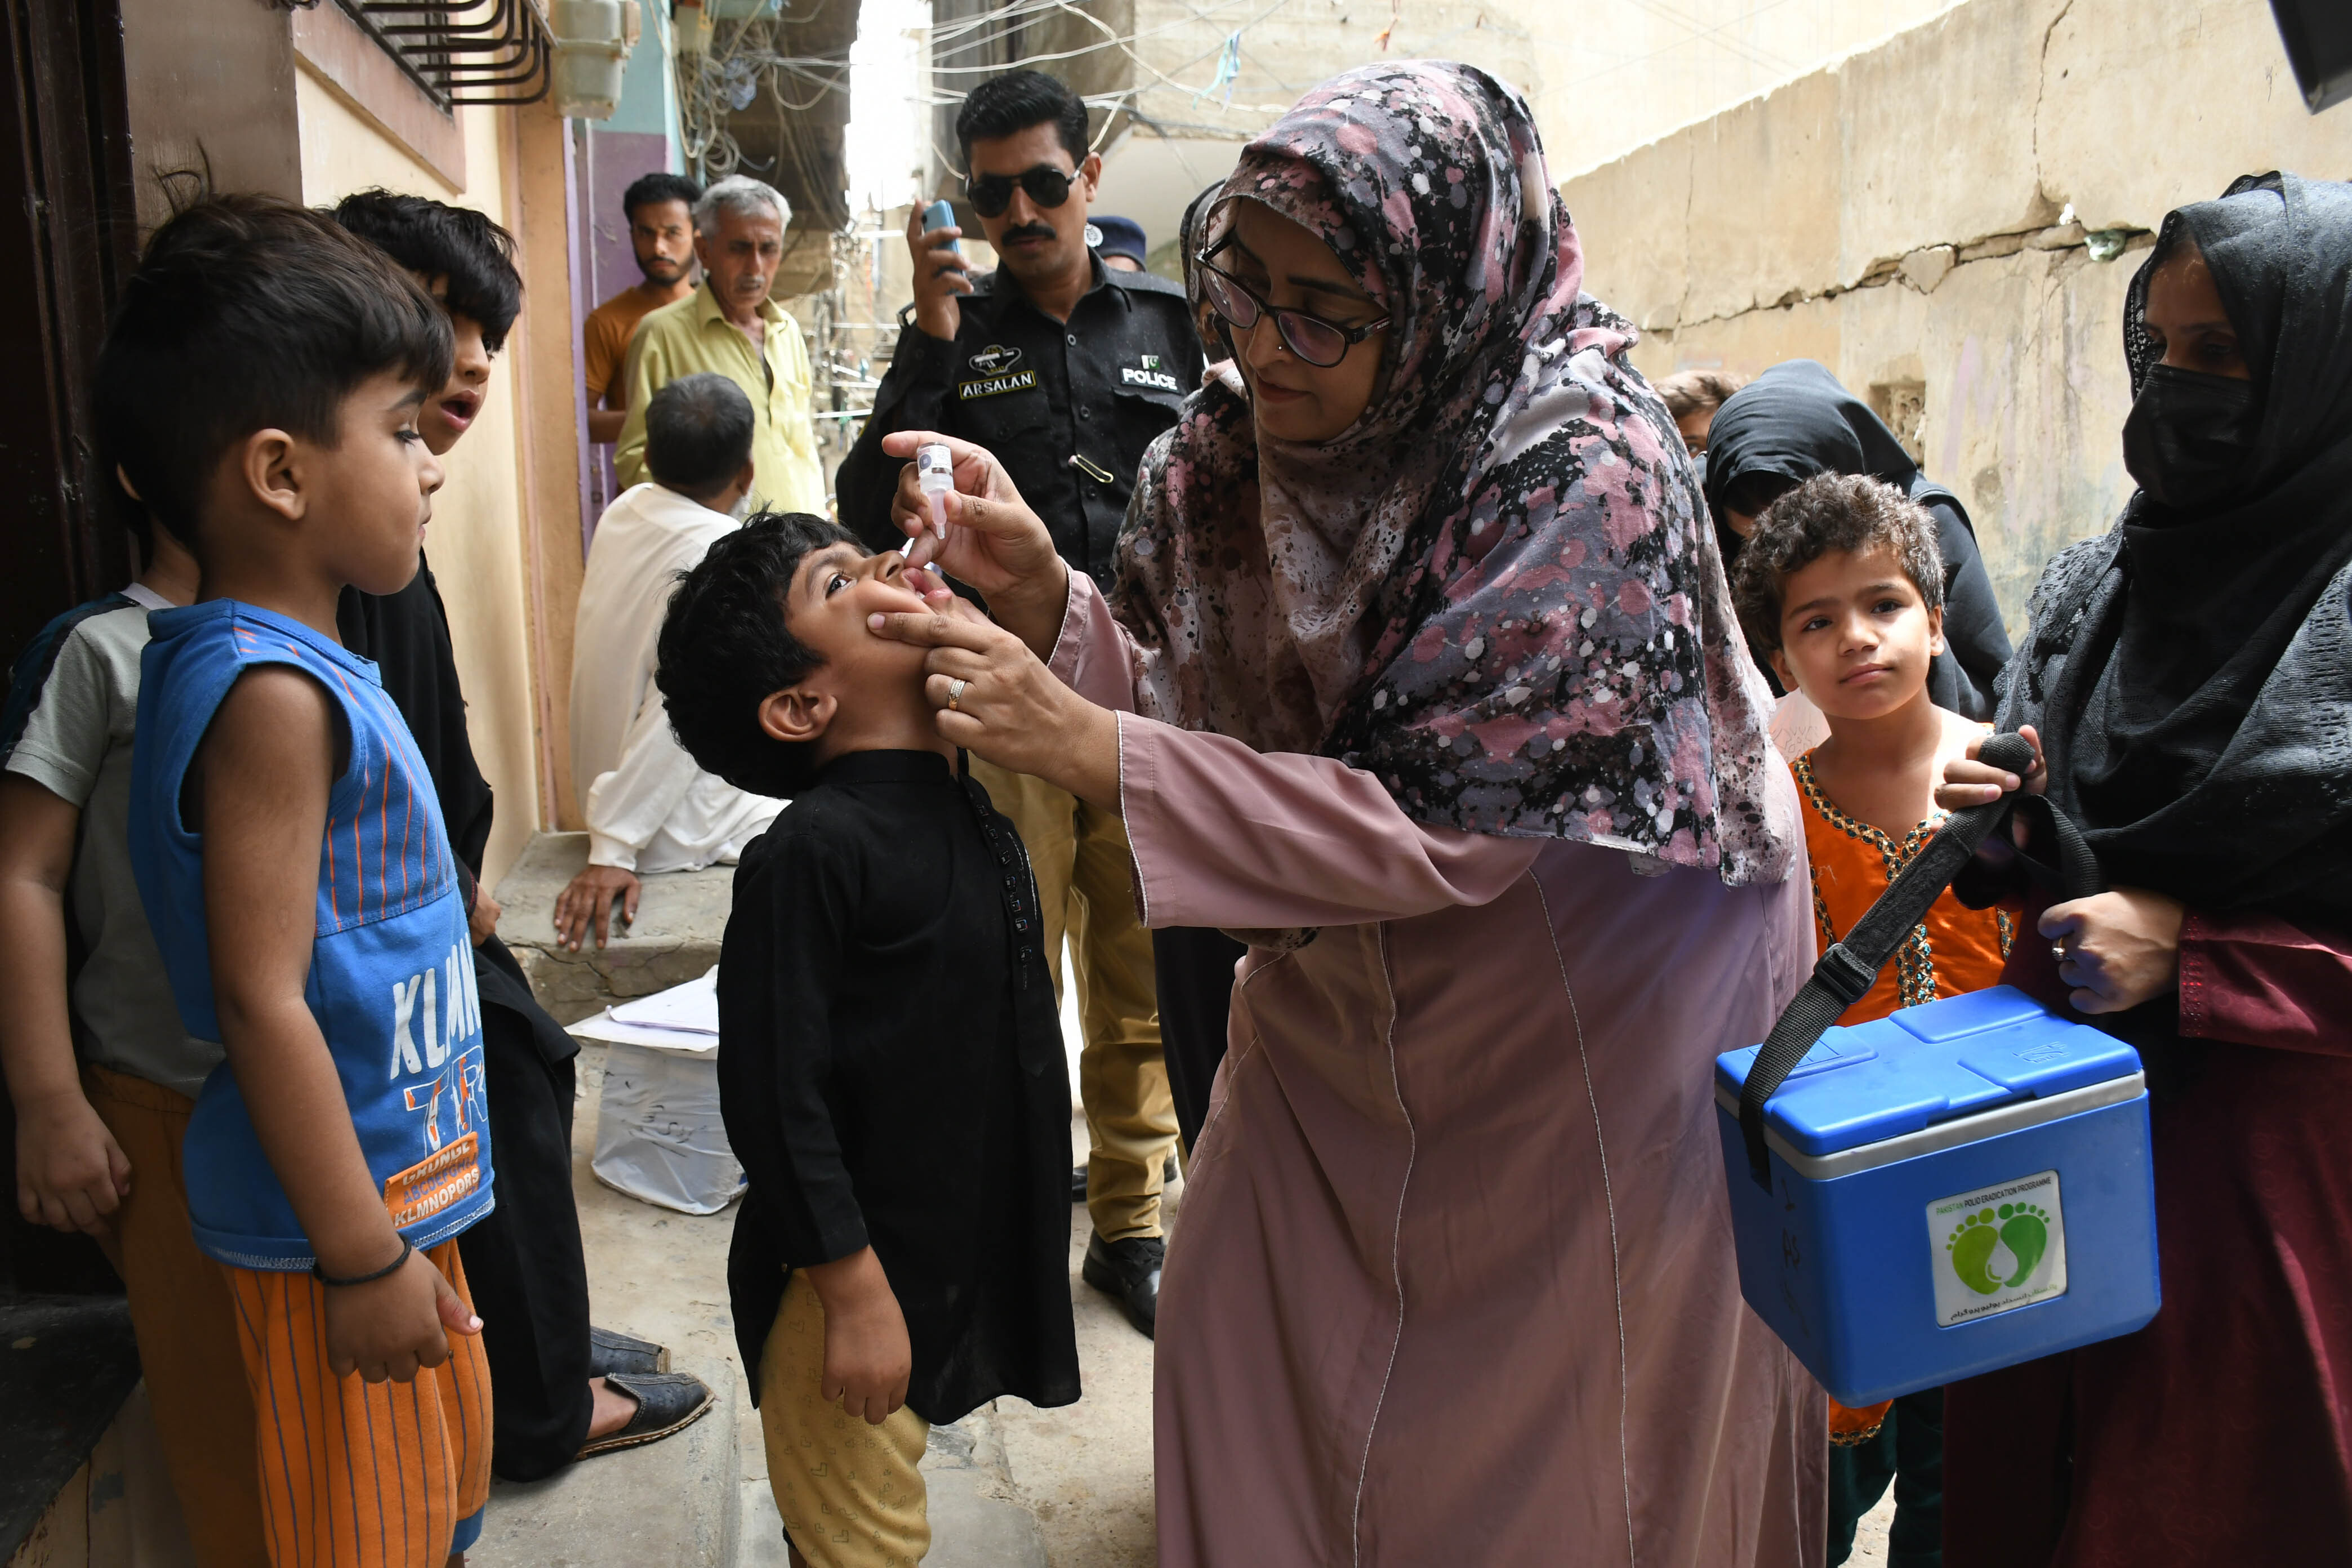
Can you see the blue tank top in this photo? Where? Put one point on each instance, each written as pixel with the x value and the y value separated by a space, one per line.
pixel 392 965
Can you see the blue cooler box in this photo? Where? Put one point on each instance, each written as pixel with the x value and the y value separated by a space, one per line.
pixel 1956 1188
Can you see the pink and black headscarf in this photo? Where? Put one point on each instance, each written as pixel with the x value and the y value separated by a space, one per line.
pixel 1499 591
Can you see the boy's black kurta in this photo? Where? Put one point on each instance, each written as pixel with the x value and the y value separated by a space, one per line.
pixel 890 1068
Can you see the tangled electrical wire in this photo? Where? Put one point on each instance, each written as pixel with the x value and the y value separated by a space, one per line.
pixel 751 55
pixel 741 62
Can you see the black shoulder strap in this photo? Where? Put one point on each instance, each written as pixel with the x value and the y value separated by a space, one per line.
pixel 1845 973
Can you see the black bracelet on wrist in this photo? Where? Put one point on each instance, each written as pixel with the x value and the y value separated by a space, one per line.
pixel 324 1277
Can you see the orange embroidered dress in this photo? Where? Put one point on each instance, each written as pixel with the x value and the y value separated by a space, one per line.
pixel 1954 948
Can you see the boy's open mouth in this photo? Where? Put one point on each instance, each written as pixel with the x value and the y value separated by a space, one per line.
pixel 459 407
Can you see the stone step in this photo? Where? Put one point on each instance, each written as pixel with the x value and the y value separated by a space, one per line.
pixel 681 919
pixel 668 1503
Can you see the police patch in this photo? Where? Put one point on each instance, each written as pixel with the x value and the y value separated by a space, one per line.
pixel 994 360
pixel 992 386
pixel 1153 378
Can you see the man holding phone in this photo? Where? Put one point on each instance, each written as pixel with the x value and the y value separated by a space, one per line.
pixel 1066 370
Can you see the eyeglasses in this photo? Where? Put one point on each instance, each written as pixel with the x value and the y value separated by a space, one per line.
pixel 992 194
pixel 1318 342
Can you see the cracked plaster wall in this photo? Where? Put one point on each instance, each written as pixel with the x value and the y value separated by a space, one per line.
pixel 1897 216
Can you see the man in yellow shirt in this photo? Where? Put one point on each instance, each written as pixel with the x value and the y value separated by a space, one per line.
pixel 731 326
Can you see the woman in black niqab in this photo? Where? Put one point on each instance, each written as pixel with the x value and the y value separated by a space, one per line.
pixel 2191 672
pixel 2190 676
pixel 1797 420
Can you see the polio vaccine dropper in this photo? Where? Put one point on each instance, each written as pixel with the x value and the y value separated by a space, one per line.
pixel 935 473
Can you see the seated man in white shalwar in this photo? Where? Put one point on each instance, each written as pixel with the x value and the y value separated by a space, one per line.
pixel 648 807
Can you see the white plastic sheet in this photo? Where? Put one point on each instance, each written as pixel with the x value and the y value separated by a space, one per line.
pixel 658 1134
pixel 659 1137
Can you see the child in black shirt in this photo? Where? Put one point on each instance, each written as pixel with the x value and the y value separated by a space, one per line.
pixel 891 1059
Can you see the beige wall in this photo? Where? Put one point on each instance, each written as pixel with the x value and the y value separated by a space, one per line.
pixel 476 541
pixel 1611 80
pixel 1897 217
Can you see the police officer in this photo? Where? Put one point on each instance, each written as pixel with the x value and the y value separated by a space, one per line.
pixel 1066 369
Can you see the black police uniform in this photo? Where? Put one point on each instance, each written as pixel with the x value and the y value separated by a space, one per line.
pixel 1067 407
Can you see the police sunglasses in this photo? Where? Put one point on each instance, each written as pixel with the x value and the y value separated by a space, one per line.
pixel 992 194
pixel 1318 342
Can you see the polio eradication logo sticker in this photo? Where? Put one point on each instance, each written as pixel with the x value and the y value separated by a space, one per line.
pixel 1997 1248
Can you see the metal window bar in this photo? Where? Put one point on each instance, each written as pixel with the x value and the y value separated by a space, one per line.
pixel 487 52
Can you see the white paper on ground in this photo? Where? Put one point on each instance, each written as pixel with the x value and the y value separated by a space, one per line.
pixel 678 1042
pixel 683 1019
pixel 692 1007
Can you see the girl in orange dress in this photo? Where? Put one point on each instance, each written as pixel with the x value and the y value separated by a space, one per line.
pixel 1841 588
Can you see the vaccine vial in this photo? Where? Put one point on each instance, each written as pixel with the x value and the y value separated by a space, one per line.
pixel 935 473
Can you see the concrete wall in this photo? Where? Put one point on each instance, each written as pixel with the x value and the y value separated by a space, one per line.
pixel 1928 219
pixel 1616 78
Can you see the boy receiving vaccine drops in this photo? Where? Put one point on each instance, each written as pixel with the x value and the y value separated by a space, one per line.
pixel 890 1061
pixel 259 390
pixel 1842 588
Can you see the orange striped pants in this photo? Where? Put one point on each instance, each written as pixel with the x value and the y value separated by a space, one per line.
pixel 354 1474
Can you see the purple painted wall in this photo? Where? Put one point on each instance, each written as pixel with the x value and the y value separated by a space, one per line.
pixel 606 162
pixel 615 158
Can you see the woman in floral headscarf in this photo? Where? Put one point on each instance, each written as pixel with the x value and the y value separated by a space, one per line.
pixel 1447 715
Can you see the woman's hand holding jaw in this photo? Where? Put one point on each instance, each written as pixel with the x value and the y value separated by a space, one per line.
pixel 994 543
pixel 1011 709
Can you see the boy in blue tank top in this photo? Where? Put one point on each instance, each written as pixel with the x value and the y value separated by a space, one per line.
pixel 258 392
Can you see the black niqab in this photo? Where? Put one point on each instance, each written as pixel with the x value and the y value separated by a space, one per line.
pixel 1797 420
pixel 2190 672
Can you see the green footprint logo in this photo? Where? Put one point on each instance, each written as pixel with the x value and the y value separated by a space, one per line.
pixel 1970 1245
pixel 2025 1231
pixel 1997 1248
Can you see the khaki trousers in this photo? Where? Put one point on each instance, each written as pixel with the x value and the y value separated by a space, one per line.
pixel 851 1495
pixel 1085 885
pixel 185 1322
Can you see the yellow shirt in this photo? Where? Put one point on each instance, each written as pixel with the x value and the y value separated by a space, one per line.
pixel 692 336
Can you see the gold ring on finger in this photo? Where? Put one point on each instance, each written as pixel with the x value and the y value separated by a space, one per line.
pixel 955 694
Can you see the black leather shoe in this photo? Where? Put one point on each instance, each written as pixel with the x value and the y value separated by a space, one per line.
pixel 1078 1183
pixel 1130 1270
pixel 609 1353
pixel 668 1402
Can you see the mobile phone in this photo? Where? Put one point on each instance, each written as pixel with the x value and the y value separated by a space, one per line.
pixel 940 214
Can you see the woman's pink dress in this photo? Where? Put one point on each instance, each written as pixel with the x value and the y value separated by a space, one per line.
pixel 1453 1283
